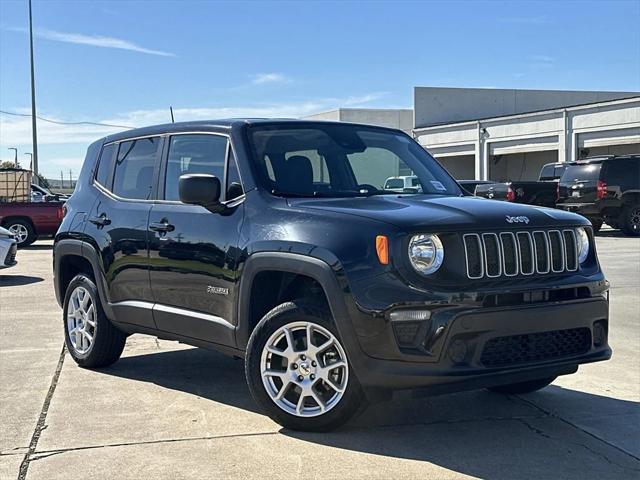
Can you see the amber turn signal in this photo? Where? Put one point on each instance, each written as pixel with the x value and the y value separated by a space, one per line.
pixel 382 249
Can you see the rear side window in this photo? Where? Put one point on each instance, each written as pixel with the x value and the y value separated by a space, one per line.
pixel 622 172
pixel 104 165
pixel 194 154
pixel 134 169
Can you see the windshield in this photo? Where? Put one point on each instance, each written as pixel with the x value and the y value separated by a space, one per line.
pixel 316 160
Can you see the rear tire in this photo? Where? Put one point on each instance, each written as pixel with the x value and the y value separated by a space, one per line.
pixel 308 388
pixel 91 338
pixel 630 220
pixel 23 230
pixel 523 387
pixel 596 224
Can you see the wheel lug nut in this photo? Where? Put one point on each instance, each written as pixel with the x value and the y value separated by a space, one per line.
pixel 313 377
pixel 303 357
pixel 313 364
pixel 294 366
pixel 300 378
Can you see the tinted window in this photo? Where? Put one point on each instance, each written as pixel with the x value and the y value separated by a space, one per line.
pixel 582 173
pixel 194 154
pixel 547 172
pixel 104 165
pixel 622 172
pixel 234 185
pixel 135 164
pixel 342 161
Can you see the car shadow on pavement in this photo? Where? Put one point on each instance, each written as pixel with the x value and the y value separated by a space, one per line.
pixel 38 246
pixel 196 371
pixel 477 433
pixel 16 280
pixel 612 234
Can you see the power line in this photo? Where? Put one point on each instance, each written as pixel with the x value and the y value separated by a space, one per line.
pixel 64 123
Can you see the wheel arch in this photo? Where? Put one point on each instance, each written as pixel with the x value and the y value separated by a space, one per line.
pixel 6 220
pixel 326 276
pixel 73 256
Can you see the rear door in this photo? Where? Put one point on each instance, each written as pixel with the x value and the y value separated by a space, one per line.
pixel 117 224
pixel 579 183
pixel 193 252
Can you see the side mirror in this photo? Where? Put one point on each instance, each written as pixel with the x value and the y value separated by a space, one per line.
pixel 200 189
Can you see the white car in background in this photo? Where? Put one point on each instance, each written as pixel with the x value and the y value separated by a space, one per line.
pixel 8 248
pixel 403 183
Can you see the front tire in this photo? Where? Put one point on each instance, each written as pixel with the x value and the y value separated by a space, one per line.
pixel 91 339
pixel 298 371
pixel 523 387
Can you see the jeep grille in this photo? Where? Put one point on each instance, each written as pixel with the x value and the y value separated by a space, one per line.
pixel 508 254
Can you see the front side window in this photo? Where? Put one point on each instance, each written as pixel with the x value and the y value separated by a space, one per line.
pixel 134 169
pixel 344 161
pixel 197 153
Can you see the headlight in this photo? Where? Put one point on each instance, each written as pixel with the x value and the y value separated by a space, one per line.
pixel 583 244
pixel 426 253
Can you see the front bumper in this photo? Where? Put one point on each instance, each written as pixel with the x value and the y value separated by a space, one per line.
pixel 8 250
pixel 484 347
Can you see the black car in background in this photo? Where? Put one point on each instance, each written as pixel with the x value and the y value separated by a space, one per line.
pixel 275 241
pixel 469 186
pixel 542 193
pixel 604 189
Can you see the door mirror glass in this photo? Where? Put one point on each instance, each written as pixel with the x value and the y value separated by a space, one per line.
pixel 200 189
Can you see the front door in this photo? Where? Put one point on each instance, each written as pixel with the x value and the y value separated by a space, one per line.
pixel 192 251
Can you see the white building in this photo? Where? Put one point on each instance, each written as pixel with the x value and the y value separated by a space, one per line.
pixel 400 118
pixel 509 134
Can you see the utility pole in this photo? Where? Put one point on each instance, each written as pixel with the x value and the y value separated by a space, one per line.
pixel 30 160
pixel 34 131
pixel 61 179
pixel 70 180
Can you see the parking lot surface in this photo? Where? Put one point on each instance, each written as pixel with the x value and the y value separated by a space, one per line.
pixel 167 410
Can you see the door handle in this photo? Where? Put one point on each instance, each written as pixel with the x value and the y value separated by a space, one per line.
pixel 101 220
pixel 163 226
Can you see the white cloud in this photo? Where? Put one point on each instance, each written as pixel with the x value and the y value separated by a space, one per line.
pixel 361 100
pixel 262 78
pixel 540 62
pixel 538 20
pixel 63 146
pixel 94 41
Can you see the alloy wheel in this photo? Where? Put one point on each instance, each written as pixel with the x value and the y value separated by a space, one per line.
pixel 304 369
pixel 20 232
pixel 81 320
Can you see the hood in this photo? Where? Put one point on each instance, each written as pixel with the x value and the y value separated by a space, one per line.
pixel 5 233
pixel 428 212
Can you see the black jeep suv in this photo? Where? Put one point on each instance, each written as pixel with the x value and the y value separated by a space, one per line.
pixel 605 190
pixel 275 241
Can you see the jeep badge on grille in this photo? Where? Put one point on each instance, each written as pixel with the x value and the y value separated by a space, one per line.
pixel 520 219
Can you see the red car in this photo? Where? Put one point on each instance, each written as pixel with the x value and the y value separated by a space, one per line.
pixel 29 221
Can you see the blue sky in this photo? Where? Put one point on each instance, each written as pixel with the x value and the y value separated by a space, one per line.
pixel 124 62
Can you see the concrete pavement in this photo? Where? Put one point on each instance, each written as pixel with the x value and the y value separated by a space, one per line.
pixel 167 410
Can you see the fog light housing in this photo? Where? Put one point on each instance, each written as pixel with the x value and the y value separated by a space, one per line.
pixel 599 333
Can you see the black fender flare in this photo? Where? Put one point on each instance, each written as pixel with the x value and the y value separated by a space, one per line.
pixel 331 279
pixel 79 248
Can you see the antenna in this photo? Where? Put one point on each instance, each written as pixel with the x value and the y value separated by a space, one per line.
pixel 171 110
